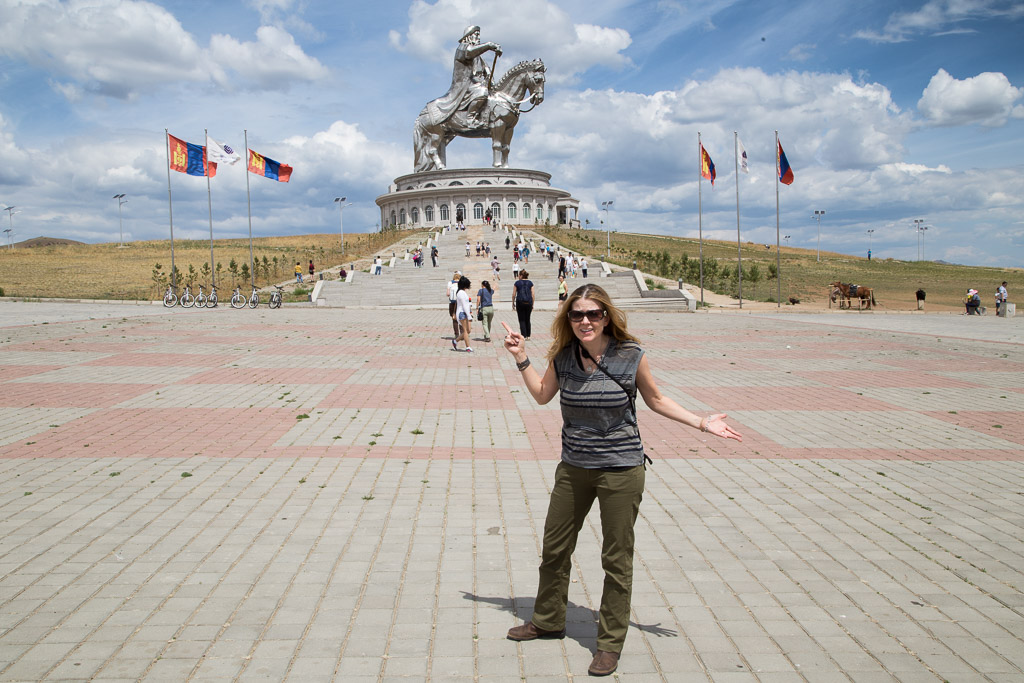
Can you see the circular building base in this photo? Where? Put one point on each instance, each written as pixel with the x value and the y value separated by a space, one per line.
pixel 432 199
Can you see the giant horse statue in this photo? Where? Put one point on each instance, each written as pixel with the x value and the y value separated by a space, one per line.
pixel 474 106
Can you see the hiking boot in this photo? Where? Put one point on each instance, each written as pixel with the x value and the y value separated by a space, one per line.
pixel 530 632
pixel 604 663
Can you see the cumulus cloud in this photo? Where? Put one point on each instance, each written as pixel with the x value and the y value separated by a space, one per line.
pixel 568 49
pixel 941 17
pixel 116 48
pixel 986 99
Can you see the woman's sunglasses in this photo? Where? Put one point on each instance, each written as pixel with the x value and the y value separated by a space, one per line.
pixel 593 315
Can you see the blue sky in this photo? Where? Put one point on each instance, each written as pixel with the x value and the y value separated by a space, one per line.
pixel 888 111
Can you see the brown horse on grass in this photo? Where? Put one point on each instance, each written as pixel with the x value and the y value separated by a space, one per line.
pixel 848 291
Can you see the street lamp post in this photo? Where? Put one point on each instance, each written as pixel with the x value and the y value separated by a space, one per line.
pixel 607 225
pixel 787 239
pixel 920 228
pixel 818 215
pixel 340 201
pixel 121 201
pixel 10 217
pixel 870 233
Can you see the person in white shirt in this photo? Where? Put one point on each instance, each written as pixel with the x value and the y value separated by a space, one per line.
pixel 452 290
pixel 463 313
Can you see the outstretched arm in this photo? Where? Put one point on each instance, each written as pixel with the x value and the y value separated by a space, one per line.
pixel 475 51
pixel 543 389
pixel 663 405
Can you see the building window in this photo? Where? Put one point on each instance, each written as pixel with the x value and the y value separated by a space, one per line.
pixel 454 182
pixel 484 182
pixel 510 182
pixel 496 211
pixel 540 212
pixel 430 185
pixel 401 217
pixel 511 211
pixel 526 212
pixel 444 213
pixel 478 211
pixel 415 213
pixel 394 218
pixel 428 213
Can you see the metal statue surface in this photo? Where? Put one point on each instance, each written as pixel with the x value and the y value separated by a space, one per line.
pixel 475 106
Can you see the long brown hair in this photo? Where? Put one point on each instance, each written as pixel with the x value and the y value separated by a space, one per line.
pixel 561 329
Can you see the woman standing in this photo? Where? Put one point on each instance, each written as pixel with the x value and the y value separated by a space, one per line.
pixel 463 313
pixel 485 306
pixel 522 302
pixel 598 367
pixel 563 289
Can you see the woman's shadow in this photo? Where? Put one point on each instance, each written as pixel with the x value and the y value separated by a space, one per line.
pixel 581 622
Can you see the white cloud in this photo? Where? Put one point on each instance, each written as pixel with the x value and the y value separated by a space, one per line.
pixel 986 99
pixel 941 17
pixel 568 49
pixel 271 62
pixel 116 48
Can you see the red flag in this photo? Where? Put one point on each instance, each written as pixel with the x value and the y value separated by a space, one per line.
pixel 189 158
pixel 786 176
pixel 707 167
pixel 267 167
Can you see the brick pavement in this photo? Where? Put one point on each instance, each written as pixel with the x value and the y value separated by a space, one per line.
pixel 337 495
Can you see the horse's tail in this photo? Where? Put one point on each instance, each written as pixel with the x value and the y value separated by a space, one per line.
pixel 873 302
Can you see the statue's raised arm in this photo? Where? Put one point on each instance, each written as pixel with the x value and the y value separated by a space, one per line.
pixel 474 106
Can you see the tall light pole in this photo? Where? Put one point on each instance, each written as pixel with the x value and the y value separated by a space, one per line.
pixel 920 228
pixel 870 233
pixel 818 215
pixel 340 201
pixel 10 231
pixel 607 225
pixel 787 239
pixel 121 201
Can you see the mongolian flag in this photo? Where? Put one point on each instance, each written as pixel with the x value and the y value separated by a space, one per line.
pixel 267 167
pixel 785 172
pixel 707 167
pixel 189 158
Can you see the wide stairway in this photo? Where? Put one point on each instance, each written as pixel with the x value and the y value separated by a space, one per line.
pixel 403 284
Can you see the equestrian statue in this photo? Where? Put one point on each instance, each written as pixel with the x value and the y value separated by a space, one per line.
pixel 475 106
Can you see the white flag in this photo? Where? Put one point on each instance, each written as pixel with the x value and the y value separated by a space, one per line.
pixel 220 154
pixel 743 157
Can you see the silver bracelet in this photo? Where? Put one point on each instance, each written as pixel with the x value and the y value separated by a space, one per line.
pixel 522 366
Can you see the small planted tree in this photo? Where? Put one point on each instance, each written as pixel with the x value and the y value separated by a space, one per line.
pixel 159 277
pixel 245 272
pixel 233 269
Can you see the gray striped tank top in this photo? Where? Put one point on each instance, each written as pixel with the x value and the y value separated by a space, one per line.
pixel 598 427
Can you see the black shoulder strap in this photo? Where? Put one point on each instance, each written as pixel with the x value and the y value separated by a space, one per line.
pixel 631 395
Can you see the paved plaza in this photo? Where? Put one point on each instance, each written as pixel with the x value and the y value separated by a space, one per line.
pixel 334 494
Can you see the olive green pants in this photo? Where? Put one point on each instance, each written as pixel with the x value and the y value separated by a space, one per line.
pixel 618 495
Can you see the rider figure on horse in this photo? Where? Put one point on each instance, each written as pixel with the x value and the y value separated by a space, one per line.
pixel 471 79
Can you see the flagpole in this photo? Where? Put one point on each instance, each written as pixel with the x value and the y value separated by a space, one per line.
pixel 248 203
pixel 170 211
pixel 700 214
pixel 778 262
pixel 739 246
pixel 209 201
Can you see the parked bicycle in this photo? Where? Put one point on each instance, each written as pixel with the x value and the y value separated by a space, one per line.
pixel 254 298
pixel 211 301
pixel 237 299
pixel 201 298
pixel 275 297
pixel 170 298
pixel 186 300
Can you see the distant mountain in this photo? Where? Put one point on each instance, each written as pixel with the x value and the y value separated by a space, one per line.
pixel 45 242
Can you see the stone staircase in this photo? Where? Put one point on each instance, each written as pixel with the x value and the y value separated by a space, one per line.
pixel 403 284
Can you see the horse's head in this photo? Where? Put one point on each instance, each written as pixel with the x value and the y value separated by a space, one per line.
pixel 535 83
pixel 524 77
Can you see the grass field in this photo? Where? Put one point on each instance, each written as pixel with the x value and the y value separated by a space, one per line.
pixel 103 271
pixel 803 276
pixel 140 270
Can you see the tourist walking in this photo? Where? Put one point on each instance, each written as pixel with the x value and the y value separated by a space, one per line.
pixel 583 266
pixel 298 272
pixel 598 367
pixel 463 313
pixel 452 290
pixel 485 308
pixel 312 270
pixel 522 302
pixel 433 255
pixel 563 289
pixel 495 267
pixel 561 265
